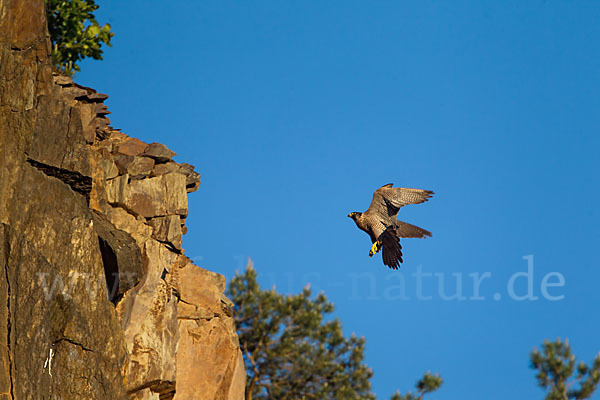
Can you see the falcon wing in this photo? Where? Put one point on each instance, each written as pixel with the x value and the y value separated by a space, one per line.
pixel 391 250
pixel 387 200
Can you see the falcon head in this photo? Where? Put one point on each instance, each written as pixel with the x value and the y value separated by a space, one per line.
pixel 354 215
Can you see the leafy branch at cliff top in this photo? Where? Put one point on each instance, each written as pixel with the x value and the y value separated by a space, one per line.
pixel 75 33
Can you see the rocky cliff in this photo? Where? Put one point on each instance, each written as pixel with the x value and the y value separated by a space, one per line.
pixel 97 299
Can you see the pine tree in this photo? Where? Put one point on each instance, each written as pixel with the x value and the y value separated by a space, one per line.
pixel 429 383
pixel 291 349
pixel 556 366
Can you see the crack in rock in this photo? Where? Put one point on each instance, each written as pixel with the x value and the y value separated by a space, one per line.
pixel 80 183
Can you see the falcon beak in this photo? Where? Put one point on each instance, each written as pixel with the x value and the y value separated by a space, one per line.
pixel 350 215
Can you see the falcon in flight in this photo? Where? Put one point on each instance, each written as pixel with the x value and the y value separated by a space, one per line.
pixel 380 222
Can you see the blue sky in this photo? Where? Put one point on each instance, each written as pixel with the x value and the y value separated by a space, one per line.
pixel 295 112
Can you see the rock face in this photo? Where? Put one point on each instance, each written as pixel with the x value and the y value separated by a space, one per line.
pixel 97 299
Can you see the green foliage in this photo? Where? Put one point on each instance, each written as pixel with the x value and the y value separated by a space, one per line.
pixel 556 366
pixel 429 383
pixel 75 33
pixel 290 351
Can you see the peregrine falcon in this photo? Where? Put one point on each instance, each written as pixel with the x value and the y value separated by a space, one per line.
pixel 380 222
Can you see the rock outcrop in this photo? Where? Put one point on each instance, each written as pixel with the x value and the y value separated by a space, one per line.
pixel 97 299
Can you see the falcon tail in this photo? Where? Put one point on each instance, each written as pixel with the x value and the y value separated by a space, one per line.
pixel 406 230
pixel 391 250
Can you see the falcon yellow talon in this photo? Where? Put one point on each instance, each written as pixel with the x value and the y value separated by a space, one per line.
pixel 374 249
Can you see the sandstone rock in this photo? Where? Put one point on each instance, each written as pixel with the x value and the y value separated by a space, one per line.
pixel 100 123
pixel 153 197
pixel 57 138
pixel 159 152
pixel 87 122
pixel 159 196
pixel 144 394
pixel 125 221
pixel 203 317
pixel 165 168
pixel 110 168
pixel 97 97
pixel 200 287
pixel 131 147
pixel 104 145
pixel 140 167
pixel 209 361
pixel 62 80
pixel 118 136
pixel 62 304
pixel 23 24
pixel 151 329
pixel 237 387
pixel 121 257
pixel 100 109
pixel 192 311
pixel 183 227
pixel 192 178
pixel 73 92
pixel 116 190
pixel 122 162
pixel 167 229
